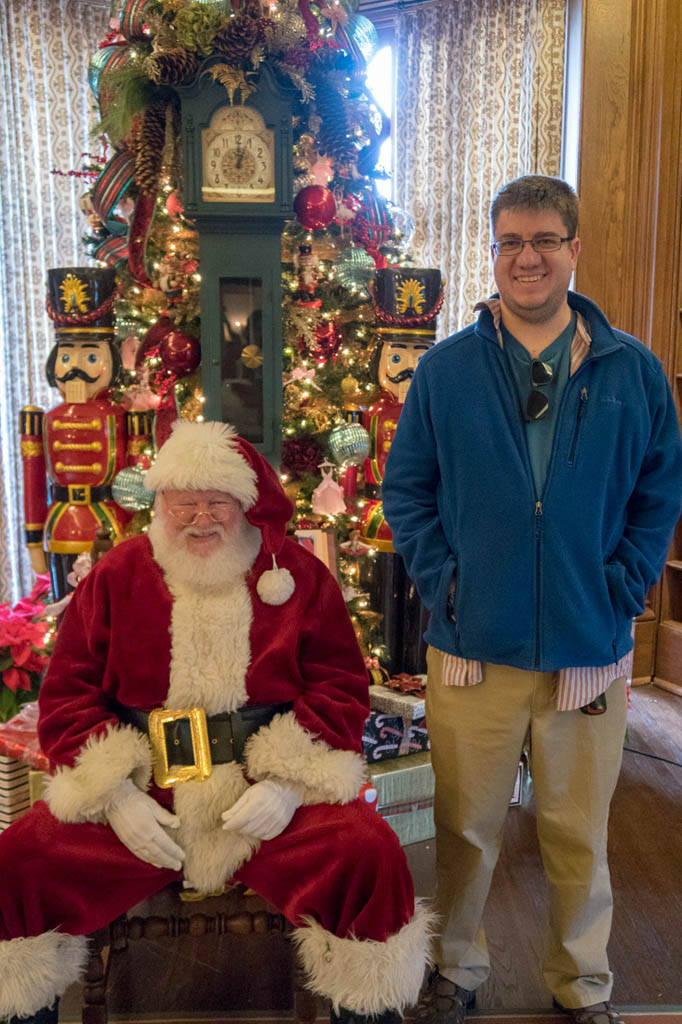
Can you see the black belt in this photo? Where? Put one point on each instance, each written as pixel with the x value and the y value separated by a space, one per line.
pixel 227 733
pixel 93 494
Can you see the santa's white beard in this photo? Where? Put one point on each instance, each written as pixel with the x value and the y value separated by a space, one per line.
pixel 213 572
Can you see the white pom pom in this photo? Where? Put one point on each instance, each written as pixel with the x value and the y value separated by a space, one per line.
pixel 275 586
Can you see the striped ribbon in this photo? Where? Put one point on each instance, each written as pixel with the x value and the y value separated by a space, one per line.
pixel 134 16
pixel 105 59
pixel 109 189
pixel 112 251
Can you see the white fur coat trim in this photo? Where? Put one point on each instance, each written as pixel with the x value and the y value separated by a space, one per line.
pixel 81 793
pixel 368 977
pixel 210 649
pixel 212 855
pixel 285 750
pixel 34 971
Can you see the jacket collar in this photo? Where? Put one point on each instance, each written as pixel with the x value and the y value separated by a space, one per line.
pixel 593 328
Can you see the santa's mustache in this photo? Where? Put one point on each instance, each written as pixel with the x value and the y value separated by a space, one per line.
pixel 403 375
pixel 77 374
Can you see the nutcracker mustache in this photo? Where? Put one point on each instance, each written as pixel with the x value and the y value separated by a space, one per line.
pixel 77 374
pixel 403 375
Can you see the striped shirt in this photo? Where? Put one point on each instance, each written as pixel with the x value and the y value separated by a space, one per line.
pixel 575 686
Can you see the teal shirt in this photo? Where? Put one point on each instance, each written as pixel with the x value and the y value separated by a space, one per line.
pixel 540 433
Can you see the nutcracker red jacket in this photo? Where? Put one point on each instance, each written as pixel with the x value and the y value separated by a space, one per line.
pixel 126 638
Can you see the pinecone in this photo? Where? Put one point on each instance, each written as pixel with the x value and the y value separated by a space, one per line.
pixel 169 67
pixel 335 137
pixel 149 156
pixel 238 39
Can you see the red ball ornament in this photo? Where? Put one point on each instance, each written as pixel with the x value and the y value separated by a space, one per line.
pixel 315 207
pixel 180 353
pixel 156 333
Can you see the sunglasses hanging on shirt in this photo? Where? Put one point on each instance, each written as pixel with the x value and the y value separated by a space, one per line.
pixel 537 405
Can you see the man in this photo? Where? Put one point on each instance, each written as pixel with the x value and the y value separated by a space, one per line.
pixel 532 489
pixel 204 649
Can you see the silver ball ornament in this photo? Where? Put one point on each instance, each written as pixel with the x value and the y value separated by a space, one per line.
pixel 354 268
pixel 349 444
pixel 128 490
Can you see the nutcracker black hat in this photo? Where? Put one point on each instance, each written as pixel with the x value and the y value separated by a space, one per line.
pixel 406 301
pixel 211 456
pixel 80 302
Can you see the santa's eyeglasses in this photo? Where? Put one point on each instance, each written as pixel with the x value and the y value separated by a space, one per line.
pixel 188 513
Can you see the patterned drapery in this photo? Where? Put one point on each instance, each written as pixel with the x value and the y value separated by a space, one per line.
pixel 46 113
pixel 479 102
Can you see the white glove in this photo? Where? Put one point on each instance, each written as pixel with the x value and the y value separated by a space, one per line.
pixel 137 819
pixel 265 809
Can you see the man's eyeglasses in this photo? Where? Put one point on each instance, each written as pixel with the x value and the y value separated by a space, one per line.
pixel 543 243
pixel 217 511
pixel 538 403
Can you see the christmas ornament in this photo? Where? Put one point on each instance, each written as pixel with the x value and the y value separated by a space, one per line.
pixel 349 444
pixel 156 333
pixel 361 37
pixel 128 489
pixel 328 338
pixel 174 207
pixel 372 226
pixel 301 456
pixel 328 495
pixel 180 353
pixel 403 227
pixel 354 268
pixel 315 207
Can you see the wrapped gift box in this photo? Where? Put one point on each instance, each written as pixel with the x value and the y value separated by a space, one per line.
pixel 14 790
pixel 405 791
pixel 393 702
pixel 389 736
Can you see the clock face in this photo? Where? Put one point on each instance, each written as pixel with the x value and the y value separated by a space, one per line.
pixel 238 158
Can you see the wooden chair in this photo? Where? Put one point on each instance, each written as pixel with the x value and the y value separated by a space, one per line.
pixel 233 925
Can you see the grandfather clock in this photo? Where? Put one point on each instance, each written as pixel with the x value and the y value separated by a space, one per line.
pixel 238 189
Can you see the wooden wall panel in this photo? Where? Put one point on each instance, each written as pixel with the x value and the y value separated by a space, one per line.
pixel 630 187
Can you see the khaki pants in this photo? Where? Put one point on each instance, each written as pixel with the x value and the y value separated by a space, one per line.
pixel 477 734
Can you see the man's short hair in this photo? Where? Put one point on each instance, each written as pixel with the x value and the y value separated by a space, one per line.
pixel 538 192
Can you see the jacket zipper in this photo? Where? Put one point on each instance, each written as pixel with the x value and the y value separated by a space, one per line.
pixel 538 581
pixel 578 420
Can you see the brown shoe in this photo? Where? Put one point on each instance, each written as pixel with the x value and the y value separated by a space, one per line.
pixel 443 1002
pixel 598 1013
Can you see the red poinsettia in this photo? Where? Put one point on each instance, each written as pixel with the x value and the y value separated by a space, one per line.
pixel 25 643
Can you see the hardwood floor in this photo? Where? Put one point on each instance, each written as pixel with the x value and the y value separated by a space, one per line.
pixel 645 849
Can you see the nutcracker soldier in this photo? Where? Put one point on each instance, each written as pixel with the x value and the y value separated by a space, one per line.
pixel 79 446
pixel 406 303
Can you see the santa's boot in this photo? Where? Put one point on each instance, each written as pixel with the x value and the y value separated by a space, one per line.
pixel 345 1016
pixel 47 1015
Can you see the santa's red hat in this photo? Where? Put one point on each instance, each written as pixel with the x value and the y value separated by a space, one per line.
pixel 212 456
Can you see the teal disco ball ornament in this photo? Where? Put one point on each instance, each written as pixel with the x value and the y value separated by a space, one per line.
pixel 349 444
pixel 364 34
pixel 128 490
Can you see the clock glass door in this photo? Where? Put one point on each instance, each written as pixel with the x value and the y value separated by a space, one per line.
pixel 241 394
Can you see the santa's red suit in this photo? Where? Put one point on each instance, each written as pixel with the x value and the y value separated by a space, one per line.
pixel 135 637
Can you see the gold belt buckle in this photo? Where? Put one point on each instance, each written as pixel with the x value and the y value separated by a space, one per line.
pixel 201 769
pixel 79 494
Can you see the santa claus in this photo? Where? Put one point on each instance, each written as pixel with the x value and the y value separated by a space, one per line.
pixel 203 712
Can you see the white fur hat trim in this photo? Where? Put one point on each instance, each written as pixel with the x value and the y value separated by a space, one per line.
pixel 203 457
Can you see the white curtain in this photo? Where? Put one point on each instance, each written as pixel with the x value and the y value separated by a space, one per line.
pixel 46 113
pixel 479 102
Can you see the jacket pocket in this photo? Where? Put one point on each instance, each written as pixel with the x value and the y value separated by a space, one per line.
pixel 623 602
